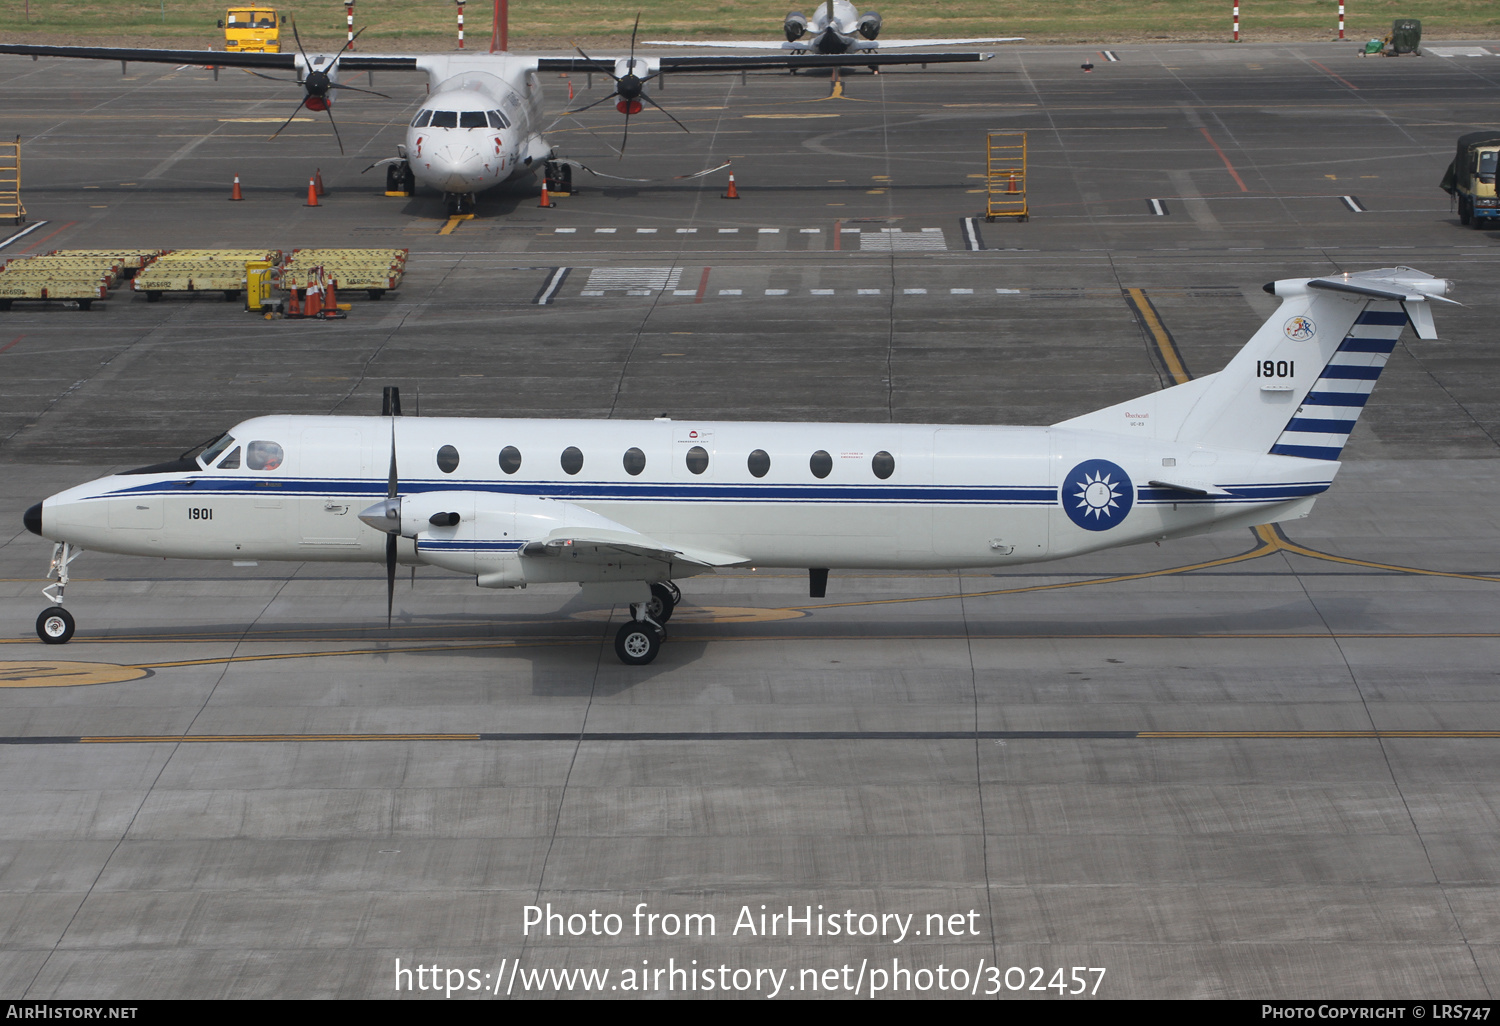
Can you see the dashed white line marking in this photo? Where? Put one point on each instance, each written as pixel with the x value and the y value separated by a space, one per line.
pixel 1158 207
pixel 915 292
pixel 1353 204
pixel 729 231
pixel 770 231
pixel 811 231
pixel 960 292
pixel 822 292
pixel 684 292
pixel 604 231
pixel 645 231
pixel 564 231
pixel 776 292
pixel 686 231
pixel 868 292
pixel 731 292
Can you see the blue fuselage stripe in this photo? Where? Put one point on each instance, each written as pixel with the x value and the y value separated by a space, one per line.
pixel 1322 427
pixel 1311 452
pixel 1336 399
pixel 1391 318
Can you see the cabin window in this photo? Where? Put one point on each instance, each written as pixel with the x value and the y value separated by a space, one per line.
pixel 884 464
pixel 471 119
pixel 423 118
pixel 572 459
pixel 232 461
pixel 445 119
pixel 635 461
pixel 497 119
pixel 759 463
pixel 447 459
pixel 263 455
pixel 210 454
pixel 821 464
pixel 510 459
pixel 697 459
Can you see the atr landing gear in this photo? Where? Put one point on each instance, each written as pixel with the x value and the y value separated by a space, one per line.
pixel 399 180
pixel 558 178
pixel 459 204
pixel 639 641
pixel 55 624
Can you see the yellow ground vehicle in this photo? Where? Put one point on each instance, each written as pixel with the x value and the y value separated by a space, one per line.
pixel 252 30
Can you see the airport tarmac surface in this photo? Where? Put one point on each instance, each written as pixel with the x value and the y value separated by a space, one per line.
pixel 1252 764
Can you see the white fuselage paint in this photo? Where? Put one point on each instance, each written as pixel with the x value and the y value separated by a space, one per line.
pixel 473 159
pixel 956 497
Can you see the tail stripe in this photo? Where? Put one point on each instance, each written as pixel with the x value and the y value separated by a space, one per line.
pixel 1346 383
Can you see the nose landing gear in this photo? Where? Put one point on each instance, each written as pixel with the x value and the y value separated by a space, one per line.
pixel 459 204
pixel 55 624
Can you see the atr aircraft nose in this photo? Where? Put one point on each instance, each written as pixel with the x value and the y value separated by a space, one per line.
pixel 32 518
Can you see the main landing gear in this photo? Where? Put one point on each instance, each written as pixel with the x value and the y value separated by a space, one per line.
pixel 640 639
pixel 55 624
pixel 399 179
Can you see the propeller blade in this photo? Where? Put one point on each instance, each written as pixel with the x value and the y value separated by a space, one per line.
pixel 596 103
pixel 597 66
pixel 339 138
pixel 636 28
pixel 390 578
pixel 273 78
pixel 626 137
pixel 300 104
pixel 340 85
pixel 298 38
pixel 668 113
pixel 391 484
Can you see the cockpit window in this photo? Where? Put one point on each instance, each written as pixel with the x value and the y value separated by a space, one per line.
pixel 1487 162
pixel 497 119
pixel 212 452
pixel 445 119
pixel 232 461
pixel 422 118
pixel 471 119
pixel 263 455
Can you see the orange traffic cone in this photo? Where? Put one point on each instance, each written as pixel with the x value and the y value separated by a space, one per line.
pixel 570 88
pixel 236 194
pixel 330 302
pixel 318 178
pixel 312 193
pixel 733 193
pixel 546 199
pixel 312 305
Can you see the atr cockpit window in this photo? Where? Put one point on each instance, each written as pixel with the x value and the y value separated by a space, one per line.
pixel 471 119
pixel 212 452
pixel 445 119
pixel 422 118
pixel 232 461
pixel 497 119
pixel 263 455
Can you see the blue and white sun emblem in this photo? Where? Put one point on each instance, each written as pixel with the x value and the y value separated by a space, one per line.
pixel 1097 495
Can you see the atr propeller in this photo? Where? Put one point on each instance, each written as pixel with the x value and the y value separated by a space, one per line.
pixel 316 83
pixel 630 90
pixel 386 516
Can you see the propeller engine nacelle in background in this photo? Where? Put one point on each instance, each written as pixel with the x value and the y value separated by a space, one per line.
pixel 630 81
pixel 795 26
pixel 869 24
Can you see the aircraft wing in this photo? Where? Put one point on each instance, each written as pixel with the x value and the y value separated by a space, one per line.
pixel 599 545
pixel 709 62
pixel 888 44
pixel 732 44
pixel 205 58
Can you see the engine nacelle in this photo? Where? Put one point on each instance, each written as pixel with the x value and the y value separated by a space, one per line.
pixel 869 24
pixel 795 26
pixel 484 534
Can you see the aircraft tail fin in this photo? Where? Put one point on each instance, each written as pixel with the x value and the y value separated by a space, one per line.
pixel 1298 386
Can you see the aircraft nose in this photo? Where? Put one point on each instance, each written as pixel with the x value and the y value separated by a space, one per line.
pixel 32 518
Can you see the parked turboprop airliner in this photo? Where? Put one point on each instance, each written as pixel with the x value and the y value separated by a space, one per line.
pixel 626 507
pixel 482 121
pixel 835 27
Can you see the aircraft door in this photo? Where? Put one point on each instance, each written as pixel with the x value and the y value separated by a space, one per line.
pixel 693 455
pixel 334 463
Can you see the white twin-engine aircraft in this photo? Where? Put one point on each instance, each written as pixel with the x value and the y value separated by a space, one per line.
pixel 624 507
pixel 482 122
pixel 835 27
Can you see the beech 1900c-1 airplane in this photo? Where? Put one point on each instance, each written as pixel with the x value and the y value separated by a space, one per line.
pixel 835 27
pixel 624 507
pixel 482 122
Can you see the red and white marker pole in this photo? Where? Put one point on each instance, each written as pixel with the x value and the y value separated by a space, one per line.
pixel 1341 19
pixel 1236 21
pixel 349 10
pixel 460 22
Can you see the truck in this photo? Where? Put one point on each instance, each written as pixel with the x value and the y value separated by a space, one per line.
pixel 1471 178
pixel 252 30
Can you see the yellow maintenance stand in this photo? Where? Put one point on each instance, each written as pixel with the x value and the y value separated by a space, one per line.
pixel 1005 176
pixel 10 183
pixel 262 278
